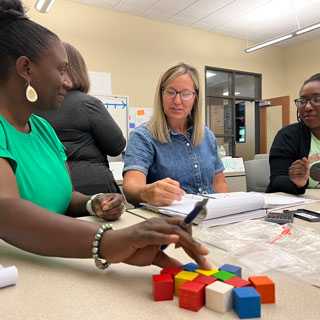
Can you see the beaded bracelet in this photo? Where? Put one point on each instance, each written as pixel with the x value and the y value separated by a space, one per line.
pixel 89 204
pixel 95 246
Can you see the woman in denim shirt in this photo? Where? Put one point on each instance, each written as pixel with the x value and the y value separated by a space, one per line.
pixel 174 153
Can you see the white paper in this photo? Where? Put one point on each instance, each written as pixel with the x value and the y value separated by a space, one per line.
pixel 100 83
pixel 228 207
pixel 8 276
pixel 276 201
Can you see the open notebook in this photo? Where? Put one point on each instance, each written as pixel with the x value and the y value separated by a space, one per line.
pixel 224 208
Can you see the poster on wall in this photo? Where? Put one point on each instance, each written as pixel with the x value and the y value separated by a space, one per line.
pixel 100 83
pixel 137 116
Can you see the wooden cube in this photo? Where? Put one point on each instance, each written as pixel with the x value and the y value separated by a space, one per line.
pixel 206 272
pixel 265 286
pixel 238 282
pixel 206 280
pixel 231 268
pixel 162 285
pixel 181 278
pixel 172 270
pixel 191 295
pixel 218 296
pixel 246 302
pixel 190 267
pixel 223 275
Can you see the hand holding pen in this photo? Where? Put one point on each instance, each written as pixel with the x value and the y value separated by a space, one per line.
pixel 200 207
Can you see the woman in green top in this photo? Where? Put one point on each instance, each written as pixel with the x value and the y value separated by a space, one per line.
pixel 35 184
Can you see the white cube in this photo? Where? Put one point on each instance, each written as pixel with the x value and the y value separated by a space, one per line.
pixel 219 296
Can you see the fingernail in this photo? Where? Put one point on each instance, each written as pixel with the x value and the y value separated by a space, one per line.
pixel 208 266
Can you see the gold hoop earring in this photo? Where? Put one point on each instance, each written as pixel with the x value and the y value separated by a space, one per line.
pixel 31 93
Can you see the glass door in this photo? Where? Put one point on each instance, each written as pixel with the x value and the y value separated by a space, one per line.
pixel 232 110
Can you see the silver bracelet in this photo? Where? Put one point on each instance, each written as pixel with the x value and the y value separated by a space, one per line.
pixel 95 246
pixel 89 204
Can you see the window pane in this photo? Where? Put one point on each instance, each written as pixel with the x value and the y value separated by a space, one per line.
pixel 218 83
pixel 245 148
pixel 220 115
pixel 245 85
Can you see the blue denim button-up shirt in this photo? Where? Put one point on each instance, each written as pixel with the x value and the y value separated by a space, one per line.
pixel 194 168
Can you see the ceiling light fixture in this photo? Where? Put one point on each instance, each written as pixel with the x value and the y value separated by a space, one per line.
pixel 44 6
pixel 284 37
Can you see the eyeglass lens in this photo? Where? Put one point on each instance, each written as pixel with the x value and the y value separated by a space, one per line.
pixel 302 102
pixel 184 95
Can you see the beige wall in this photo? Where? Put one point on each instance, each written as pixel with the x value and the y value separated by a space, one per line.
pixel 302 61
pixel 136 50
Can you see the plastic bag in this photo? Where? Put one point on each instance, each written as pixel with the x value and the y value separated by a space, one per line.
pixel 260 246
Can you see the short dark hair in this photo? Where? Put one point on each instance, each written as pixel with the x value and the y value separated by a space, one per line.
pixel 19 36
pixel 315 77
pixel 77 70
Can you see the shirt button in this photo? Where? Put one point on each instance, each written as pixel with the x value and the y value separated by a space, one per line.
pixel 199 189
pixel 188 144
pixel 196 166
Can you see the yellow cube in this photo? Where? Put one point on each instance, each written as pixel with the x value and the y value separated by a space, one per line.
pixel 206 272
pixel 181 277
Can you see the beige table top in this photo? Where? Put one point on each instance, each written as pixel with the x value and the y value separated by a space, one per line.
pixel 59 288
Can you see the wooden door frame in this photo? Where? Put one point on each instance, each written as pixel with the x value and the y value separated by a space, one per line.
pixel 284 102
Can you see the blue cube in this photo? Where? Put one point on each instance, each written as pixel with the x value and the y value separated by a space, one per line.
pixel 246 302
pixel 190 267
pixel 230 268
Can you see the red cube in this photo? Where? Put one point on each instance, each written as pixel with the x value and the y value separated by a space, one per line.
pixel 201 278
pixel 172 270
pixel 162 285
pixel 191 295
pixel 238 282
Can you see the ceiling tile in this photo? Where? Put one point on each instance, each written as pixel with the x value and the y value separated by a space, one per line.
pixel 144 4
pixel 167 7
pixel 155 16
pixel 128 9
pixel 192 13
pixel 211 5
pixel 178 20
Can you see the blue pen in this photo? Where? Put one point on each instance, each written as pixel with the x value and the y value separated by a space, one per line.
pixel 199 207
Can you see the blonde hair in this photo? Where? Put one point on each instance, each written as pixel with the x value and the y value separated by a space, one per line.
pixel 77 70
pixel 157 125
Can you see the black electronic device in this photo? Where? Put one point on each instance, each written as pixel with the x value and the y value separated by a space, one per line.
pixel 308 215
pixel 280 217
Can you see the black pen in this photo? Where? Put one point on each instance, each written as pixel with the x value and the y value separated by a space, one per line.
pixel 199 207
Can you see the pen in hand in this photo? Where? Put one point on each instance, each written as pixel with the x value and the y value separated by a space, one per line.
pixel 199 207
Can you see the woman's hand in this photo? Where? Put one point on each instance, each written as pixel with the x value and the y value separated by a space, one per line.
pixel 108 206
pixel 140 244
pixel 163 192
pixel 299 172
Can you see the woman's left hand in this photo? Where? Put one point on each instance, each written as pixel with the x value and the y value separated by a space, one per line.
pixel 108 206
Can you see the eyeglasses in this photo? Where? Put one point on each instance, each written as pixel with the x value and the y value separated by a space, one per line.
pixel 302 102
pixel 184 95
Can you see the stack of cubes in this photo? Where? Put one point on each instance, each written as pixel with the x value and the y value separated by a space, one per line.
pixel 220 290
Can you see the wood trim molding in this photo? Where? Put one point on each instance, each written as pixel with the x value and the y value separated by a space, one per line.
pixel 284 102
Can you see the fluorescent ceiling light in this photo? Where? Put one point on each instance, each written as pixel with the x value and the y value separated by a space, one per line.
pixel 210 74
pixel 307 29
pixel 284 37
pixel 44 6
pixel 269 42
